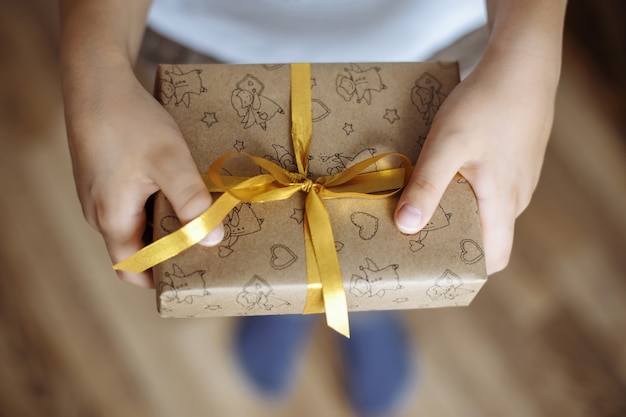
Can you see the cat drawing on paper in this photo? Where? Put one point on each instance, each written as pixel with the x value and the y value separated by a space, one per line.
pixel 376 282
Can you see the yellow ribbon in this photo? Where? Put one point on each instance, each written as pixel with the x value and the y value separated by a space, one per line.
pixel 323 271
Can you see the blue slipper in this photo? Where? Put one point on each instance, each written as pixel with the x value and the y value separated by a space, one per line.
pixel 379 363
pixel 269 350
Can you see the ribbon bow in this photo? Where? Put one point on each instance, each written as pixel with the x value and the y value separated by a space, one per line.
pixel 323 271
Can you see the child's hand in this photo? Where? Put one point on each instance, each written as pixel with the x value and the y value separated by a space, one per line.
pixel 124 148
pixel 492 129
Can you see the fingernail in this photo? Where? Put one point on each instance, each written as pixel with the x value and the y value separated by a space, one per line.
pixel 214 237
pixel 408 219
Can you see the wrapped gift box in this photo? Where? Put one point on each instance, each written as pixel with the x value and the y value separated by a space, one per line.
pixel 358 110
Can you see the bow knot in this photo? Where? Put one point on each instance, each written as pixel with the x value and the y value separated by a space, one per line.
pixel 298 178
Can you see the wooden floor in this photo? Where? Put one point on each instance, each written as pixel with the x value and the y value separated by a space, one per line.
pixel 546 337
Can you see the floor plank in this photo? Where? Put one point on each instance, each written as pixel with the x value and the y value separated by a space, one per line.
pixel 544 338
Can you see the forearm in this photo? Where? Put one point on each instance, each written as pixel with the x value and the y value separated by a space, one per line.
pixel 97 35
pixel 100 41
pixel 532 29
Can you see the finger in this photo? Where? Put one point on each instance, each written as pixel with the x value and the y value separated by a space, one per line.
pixel 497 210
pixel 438 162
pixel 181 183
pixel 122 223
pixel 142 279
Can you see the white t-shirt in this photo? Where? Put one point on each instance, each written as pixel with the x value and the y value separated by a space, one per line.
pixel 277 31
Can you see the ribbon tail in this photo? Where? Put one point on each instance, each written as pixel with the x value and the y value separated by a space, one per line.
pixel 325 256
pixel 314 297
pixel 182 239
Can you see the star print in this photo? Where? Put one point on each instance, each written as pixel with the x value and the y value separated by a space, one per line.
pixel 297 215
pixel 209 119
pixel 348 128
pixel 239 146
pixel 391 115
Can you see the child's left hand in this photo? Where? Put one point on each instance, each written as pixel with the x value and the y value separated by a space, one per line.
pixel 492 129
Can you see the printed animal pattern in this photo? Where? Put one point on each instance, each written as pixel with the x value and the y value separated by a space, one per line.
pixel 252 107
pixel 283 157
pixel 359 83
pixel 258 294
pixel 179 86
pixel 427 97
pixel 375 281
pixel 448 286
pixel 183 288
pixel 340 161
pixel 439 220
pixel 241 221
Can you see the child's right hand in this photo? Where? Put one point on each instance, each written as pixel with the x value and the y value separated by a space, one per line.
pixel 125 147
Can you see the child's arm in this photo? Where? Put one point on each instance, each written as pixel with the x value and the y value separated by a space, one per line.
pixel 124 146
pixel 494 127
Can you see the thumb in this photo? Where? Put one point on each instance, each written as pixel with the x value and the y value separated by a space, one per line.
pixel 181 183
pixel 437 164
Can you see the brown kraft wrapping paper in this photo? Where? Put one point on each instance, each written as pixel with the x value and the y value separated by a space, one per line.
pixel 358 110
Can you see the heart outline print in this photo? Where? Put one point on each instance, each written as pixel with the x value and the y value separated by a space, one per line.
pixel 366 223
pixel 471 252
pixel 282 257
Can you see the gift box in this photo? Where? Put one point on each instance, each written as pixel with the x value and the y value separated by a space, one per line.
pixel 357 112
